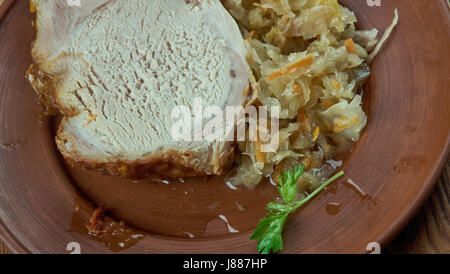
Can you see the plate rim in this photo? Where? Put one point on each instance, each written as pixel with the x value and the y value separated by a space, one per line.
pixel 16 246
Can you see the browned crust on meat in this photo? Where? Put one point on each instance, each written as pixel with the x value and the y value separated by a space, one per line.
pixel 168 163
pixel 44 86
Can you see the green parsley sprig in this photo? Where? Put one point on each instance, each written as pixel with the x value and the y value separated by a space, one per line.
pixel 268 232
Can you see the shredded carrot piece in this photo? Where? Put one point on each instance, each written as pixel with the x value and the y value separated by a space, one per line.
pixel 291 68
pixel 339 128
pixel 276 74
pixel 300 64
pixel 316 133
pixel 350 45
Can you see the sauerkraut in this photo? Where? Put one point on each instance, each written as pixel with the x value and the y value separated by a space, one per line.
pixel 308 59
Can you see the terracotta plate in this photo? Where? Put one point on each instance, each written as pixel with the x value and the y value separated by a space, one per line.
pixel 396 162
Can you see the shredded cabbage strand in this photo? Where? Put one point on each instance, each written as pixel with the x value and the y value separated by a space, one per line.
pixel 308 59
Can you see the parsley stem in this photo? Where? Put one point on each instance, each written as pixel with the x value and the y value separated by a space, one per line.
pixel 319 189
pixel 268 232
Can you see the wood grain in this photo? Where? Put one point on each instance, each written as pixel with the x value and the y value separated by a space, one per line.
pixel 3 248
pixel 4 7
pixel 3 10
pixel 429 231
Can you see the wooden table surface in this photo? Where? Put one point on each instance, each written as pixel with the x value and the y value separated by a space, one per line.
pixel 428 232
